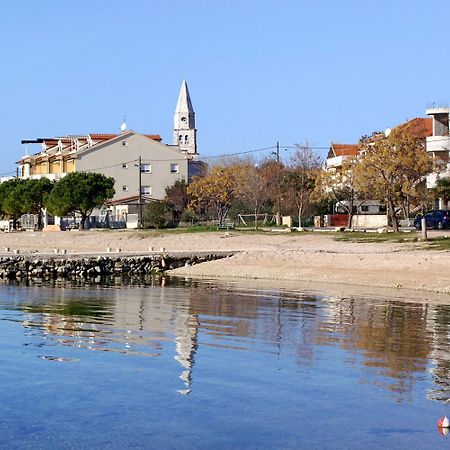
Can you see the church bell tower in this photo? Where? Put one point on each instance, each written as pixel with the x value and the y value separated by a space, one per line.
pixel 184 132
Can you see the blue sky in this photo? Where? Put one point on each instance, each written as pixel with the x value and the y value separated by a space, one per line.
pixel 258 71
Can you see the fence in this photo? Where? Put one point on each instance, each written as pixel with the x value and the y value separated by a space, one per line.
pixel 336 220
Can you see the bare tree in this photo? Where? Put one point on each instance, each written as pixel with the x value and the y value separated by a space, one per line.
pixel 252 187
pixel 299 177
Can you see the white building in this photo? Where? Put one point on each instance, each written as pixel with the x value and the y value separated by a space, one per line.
pixel 439 143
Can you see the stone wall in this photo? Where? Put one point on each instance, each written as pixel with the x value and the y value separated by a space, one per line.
pixel 22 267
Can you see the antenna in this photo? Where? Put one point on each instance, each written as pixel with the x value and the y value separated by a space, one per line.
pixel 123 127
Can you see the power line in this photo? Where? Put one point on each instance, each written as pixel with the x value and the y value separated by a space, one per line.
pixel 227 155
pixel 7 173
pixel 305 145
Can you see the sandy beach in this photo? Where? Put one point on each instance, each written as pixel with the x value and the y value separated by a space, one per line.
pixel 306 257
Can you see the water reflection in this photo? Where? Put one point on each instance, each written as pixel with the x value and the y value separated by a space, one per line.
pixel 394 344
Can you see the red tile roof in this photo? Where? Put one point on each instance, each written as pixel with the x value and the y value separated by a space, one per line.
pixel 102 136
pixel 421 127
pixel 155 137
pixel 132 200
pixel 108 136
pixel 50 142
pixel 344 149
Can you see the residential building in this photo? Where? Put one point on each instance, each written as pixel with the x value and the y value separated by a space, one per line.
pixel 338 153
pixel 438 144
pixel 141 164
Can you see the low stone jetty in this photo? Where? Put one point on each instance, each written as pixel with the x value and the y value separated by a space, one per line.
pixel 86 266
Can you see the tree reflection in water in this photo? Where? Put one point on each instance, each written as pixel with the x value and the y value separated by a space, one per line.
pixel 396 343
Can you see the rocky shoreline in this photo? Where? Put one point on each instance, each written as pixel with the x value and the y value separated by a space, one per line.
pixel 24 267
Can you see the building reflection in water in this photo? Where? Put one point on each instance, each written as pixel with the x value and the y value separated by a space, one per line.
pixel 395 342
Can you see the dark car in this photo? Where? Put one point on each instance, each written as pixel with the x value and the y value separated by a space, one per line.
pixel 440 219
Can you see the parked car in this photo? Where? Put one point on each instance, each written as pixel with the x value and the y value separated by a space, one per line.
pixel 440 219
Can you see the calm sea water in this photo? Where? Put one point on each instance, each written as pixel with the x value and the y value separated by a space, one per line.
pixel 205 365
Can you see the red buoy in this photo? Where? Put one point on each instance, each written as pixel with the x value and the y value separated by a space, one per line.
pixel 444 422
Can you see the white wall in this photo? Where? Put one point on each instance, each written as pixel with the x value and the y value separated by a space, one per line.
pixel 369 221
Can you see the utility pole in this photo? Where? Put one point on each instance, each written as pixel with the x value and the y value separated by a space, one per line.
pixel 278 187
pixel 140 192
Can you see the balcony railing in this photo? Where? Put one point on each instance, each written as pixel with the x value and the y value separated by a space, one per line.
pixel 437 108
pixel 50 176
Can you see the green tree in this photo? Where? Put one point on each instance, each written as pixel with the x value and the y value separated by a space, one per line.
pixel 11 199
pixel 442 190
pixel 79 192
pixel 33 193
pixel 156 214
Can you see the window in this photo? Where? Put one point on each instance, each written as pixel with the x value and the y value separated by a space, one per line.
pixel 125 143
pixel 365 208
pixel 146 190
pixel 186 139
pixel 124 188
pixel 180 138
pixel 174 168
pixel 124 166
pixel 146 168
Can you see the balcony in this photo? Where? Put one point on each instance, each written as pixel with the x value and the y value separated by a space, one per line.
pixel 438 143
pixel 335 162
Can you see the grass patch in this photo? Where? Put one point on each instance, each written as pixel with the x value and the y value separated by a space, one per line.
pixel 376 237
pixel 440 243
pixel 145 233
pixel 436 243
pixel 149 233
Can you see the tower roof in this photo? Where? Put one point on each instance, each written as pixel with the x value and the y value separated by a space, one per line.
pixel 184 104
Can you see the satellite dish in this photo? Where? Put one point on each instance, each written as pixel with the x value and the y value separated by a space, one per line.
pixel 123 127
pixel 387 132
